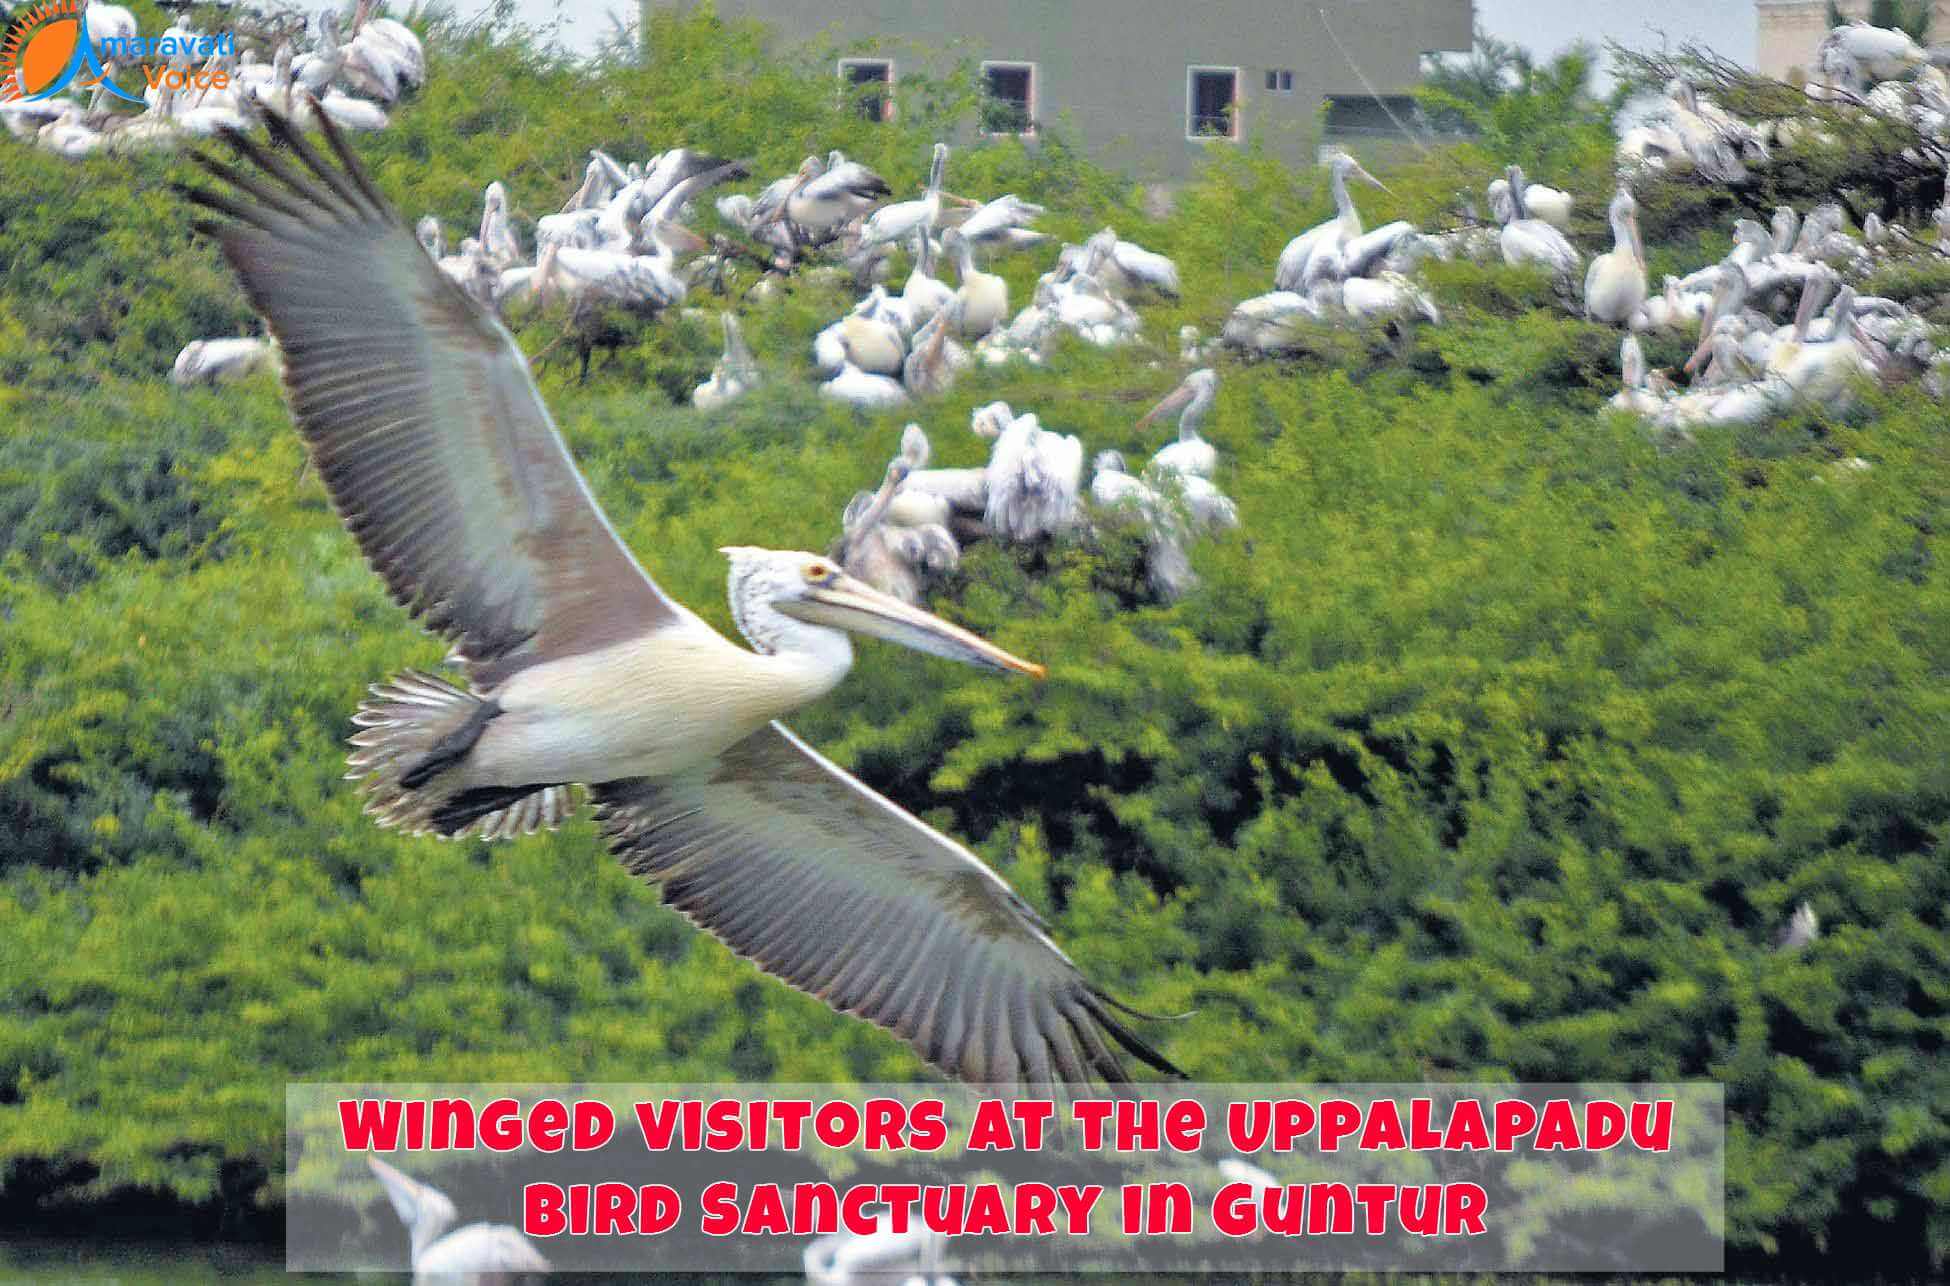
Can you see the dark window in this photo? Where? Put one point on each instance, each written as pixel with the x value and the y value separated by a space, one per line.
pixel 1006 98
pixel 1279 81
pixel 871 82
pixel 1215 97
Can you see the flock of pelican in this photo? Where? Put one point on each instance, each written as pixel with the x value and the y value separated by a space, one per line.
pixel 345 78
pixel 909 533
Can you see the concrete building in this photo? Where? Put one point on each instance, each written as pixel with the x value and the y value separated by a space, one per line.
pixel 1787 32
pixel 1146 84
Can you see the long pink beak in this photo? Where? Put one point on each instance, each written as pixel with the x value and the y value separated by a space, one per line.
pixel 1173 401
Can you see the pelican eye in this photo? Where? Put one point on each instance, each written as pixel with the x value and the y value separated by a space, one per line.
pixel 818 572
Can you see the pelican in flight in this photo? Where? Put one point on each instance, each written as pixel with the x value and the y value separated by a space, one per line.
pixel 477 1252
pixel 427 429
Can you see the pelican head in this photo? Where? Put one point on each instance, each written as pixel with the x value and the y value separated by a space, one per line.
pixel 990 421
pixel 496 197
pixel 811 590
pixel 432 240
pixel 1109 462
pixel 1194 396
pixel 426 1211
pixel 1343 166
pixel 915 448
pixel 1625 224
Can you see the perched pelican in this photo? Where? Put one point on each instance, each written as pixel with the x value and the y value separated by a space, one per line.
pixel 469 1253
pixel 872 344
pixel 1614 285
pixel 1528 240
pixel 1167 565
pixel 1344 226
pixel 893 558
pixel 1034 476
pixel 1713 154
pixel 218 361
pixel 1634 397
pixel 1552 205
pixel 1801 929
pixel 1881 53
pixel 823 199
pixel 453 478
pixel 1820 372
pixel 1389 297
pixel 864 389
pixel 984 296
pixel 1130 265
pixel 891 224
pixel 497 235
pixel 1000 221
pixel 923 293
pixel 931 369
pixel 734 374
pixel 1190 454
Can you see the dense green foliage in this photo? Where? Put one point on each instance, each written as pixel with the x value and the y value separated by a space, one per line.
pixel 1497 743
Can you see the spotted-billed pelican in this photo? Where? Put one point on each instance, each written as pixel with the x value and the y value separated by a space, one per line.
pixel 1634 397
pixel 497 234
pixel 428 432
pixel 218 361
pixel 892 224
pixel 865 389
pixel 984 296
pixel 441 1252
pixel 1802 928
pixel 937 359
pixel 1552 205
pixel 735 373
pixel 923 293
pixel 824 198
pixel 895 559
pixel 1000 221
pixel 872 344
pixel 1388 297
pixel 1344 226
pixel 1614 285
pixel 1034 476
pixel 1530 240
pixel 1193 400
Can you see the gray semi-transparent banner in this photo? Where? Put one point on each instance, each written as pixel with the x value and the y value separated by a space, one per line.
pixel 838 1181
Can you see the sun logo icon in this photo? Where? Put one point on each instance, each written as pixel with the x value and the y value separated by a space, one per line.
pixel 46 50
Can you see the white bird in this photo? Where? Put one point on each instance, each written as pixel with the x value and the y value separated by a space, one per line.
pixel 924 294
pixel 219 361
pixel 892 224
pixel 1167 564
pixel 1034 477
pixel 1528 240
pixel 1822 372
pixel 849 1259
pixel 1389 297
pixel 1130 266
pixel 733 376
pixel 1614 285
pixel 863 389
pixel 936 360
pixel 895 559
pixel 441 1252
pixel 498 243
pixel 984 296
pixel 823 199
pixel 1635 397
pixel 1552 205
pixel 1267 323
pixel 452 476
pixel 999 221
pixel 1193 399
pixel 1344 226
pixel 872 344
pixel 1882 53
pixel 1801 929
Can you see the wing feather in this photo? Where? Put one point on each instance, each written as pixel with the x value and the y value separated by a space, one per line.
pixel 421 416
pixel 801 869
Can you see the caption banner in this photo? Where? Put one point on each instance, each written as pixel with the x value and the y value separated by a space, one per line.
pixel 1167 1178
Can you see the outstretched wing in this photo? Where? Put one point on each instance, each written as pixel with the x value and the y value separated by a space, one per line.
pixel 800 868
pixel 422 418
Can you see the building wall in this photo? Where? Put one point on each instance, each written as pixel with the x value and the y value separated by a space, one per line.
pixel 1115 71
pixel 1789 30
